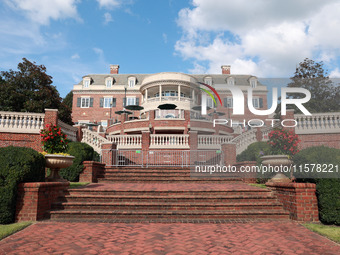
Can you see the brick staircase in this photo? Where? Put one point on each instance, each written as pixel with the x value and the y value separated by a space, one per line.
pixel 145 195
pixel 159 175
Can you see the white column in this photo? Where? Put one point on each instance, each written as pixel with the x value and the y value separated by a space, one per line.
pixel 146 96
pixel 160 93
pixel 179 92
pixel 193 96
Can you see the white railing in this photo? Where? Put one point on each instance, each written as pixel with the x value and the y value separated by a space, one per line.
pixel 68 130
pixel 169 142
pixel 212 141
pixel 318 123
pixel 17 122
pixel 244 140
pixel 126 141
pixel 93 139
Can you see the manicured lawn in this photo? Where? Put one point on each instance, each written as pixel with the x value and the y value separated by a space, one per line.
pixel 258 185
pixel 6 230
pixel 331 232
pixel 77 184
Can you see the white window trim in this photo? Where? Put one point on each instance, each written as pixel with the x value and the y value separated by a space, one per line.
pixel 81 102
pixel 107 80
pixel 231 81
pixel 257 99
pixel 129 97
pixel 210 102
pixel 253 83
pixel 208 80
pixel 86 82
pixel 131 80
pixel 104 101
pixel 230 99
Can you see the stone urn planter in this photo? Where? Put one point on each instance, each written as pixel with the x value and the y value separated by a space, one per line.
pixel 278 162
pixel 55 163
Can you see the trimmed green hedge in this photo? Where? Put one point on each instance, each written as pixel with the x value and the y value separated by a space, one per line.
pixel 17 165
pixel 252 153
pixel 328 190
pixel 82 152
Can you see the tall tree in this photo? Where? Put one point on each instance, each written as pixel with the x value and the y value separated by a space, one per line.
pixel 312 76
pixel 29 89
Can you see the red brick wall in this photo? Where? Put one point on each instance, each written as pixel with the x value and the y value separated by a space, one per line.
pixel 34 199
pixel 312 140
pixel 247 177
pixel 91 171
pixel 297 198
pixel 96 113
pixel 21 140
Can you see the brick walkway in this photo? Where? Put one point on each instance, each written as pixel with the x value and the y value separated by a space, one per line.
pixel 158 238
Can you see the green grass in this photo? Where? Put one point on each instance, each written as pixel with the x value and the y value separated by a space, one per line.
pixel 331 232
pixel 258 185
pixel 77 184
pixel 6 230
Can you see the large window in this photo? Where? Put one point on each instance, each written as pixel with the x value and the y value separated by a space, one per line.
pixel 228 102
pixel 132 82
pixel 256 102
pixel 107 102
pixel 210 102
pixel 85 102
pixel 253 83
pixel 131 101
pixel 86 83
pixel 168 93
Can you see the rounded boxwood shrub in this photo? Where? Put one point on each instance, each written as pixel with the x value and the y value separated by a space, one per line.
pixel 328 189
pixel 253 152
pixel 18 164
pixel 81 152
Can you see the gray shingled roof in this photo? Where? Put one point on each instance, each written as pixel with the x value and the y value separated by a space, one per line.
pixel 121 79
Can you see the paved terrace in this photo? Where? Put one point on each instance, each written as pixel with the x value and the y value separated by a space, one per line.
pixel 167 238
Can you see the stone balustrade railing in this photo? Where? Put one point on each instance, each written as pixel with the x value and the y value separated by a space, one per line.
pixel 69 130
pixel 244 140
pixel 17 122
pixel 318 123
pixel 126 141
pixel 93 139
pixel 212 141
pixel 169 141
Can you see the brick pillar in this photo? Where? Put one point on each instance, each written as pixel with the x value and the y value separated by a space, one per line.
pixel 289 115
pixel 145 145
pixel 91 171
pixel 193 140
pixel 51 116
pixel 79 133
pixel 297 198
pixel 34 199
pixel 258 134
pixel 229 152
pixel 109 153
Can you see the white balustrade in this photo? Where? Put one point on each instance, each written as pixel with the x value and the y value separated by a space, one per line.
pixel 93 139
pixel 318 123
pixel 17 122
pixel 70 131
pixel 212 141
pixel 244 140
pixel 126 141
pixel 169 141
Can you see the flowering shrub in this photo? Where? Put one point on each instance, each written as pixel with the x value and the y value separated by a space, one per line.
pixel 283 142
pixel 53 139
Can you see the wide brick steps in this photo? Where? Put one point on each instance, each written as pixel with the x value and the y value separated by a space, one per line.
pixel 167 203
pixel 149 215
pixel 131 174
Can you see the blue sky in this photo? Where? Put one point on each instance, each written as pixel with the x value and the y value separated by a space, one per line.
pixel 73 38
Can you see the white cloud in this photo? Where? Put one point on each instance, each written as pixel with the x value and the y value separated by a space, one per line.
pixel 41 11
pixel 75 56
pixel 265 38
pixel 107 18
pixel 109 3
pixel 165 38
pixel 335 73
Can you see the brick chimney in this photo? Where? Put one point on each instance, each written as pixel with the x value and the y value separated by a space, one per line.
pixel 225 69
pixel 114 69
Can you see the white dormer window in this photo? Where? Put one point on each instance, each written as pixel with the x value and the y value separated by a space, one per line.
pixel 86 82
pixel 109 82
pixel 132 82
pixel 208 81
pixel 231 81
pixel 253 83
